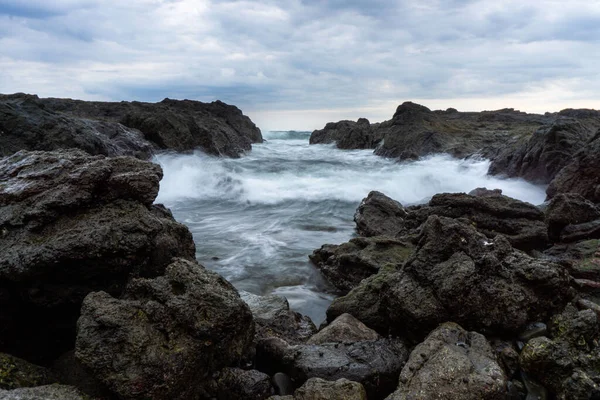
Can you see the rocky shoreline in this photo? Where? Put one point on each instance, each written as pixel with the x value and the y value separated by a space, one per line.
pixel 470 296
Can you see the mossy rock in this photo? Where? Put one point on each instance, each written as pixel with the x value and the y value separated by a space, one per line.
pixel 16 373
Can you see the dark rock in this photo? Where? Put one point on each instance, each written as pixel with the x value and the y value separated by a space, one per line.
pixel 568 209
pixel 545 153
pixel 588 230
pixel 73 373
pixel 283 384
pixel 458 274
pixel 238 384
pixel 581 174
pixel 167 335
pixel 48 392
pixel 16 373
pixel 273 318
pixel 347 135
pixel 379 215
pixel 521 223
pixel 581 258
pixel 346 265
pixel 72 224
pixel 568 361
pixel 452 364
pixel 507 355
pixel 320 389
pixel 344 329
pixel 533 330
pixel 485 192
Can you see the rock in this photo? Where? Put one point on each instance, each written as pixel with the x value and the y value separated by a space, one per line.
pixel 588 230
pixel 568 361
pixel 521 223
pixel 452 364
pixel 283 384
pixel 166 335
pixel 458 274
pixel 581 258
pixel 72 224
pixel 580 176
pixel 379 215
pixel 533 330
pixel 485 192
pixel 347 135
pixel 27 123
pixel 545 153
pixel 238 384
pixel 273 318
pixel 507 356
pixel 319 389
pixel 344 329
pixel 568 209
pixel 346 265
pixel 73 373
pixel 48 392
pixel 16 373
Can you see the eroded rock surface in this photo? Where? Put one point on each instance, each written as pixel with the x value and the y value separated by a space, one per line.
pixel 378 215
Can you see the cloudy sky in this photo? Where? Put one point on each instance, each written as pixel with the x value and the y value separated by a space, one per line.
pixel 296 64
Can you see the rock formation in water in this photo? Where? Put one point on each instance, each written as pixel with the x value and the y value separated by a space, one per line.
pixel 125 128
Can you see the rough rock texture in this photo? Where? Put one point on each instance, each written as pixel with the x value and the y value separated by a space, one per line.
pixel 568 361
pixel 17 373
pixel 581 174
pixel 521 223
pixel 239 384
pixel 582 259
pixel 72 372
pixel 347 135
pixel 273 318
pixel 545 153
pixel 48 392
pixel 378 215
pixel 344 329
pixel 452 364
pixel 346 265
pixel 458 274
pixel 568 209
pixel 70 224
pixel 485 192
pixel 166 335
pixel 124 128
pixel 319 389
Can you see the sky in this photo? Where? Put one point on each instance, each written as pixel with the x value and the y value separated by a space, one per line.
pixel 297 64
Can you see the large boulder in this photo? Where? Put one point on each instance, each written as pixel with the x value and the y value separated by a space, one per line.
pixel 452 364
pixel 344 329
pixel 567 361
pixel 165 336
pixel 71 224
pixel 378 215
pixel 346 265
pixel 458 274
pixel 347 135
pixel 545 153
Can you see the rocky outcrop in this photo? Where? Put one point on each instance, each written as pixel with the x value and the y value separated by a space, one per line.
pixel 165 336
pixel 378 215
pixel 568 212
pixel 347 135
pixel 452 364
pixel 346 265
pixel 344 329
pixel 125 128
pixel 71 224
pixel 457 274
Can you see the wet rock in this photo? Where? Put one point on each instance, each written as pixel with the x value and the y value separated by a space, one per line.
pixel 588 230
pixel 238 384
pixel 379 215
pixel 48 392
pixel 485 192
pixel 344 329
pixel 341 389
pixel 452 364
pixel 545 153
pixel 346 265
pixel 533 330
pixel 581 258
pixel 283 384
pixel 165 336
pixel 72 224
pixel 17 373
pixel 458 274
pixel 507 356
pixel 567 362
pixel 347 135
pixel 569 209
pixel 273 318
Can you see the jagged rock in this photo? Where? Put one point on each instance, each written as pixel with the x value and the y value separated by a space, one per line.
pixel 458 274
pixel 238 384
pixel 166 335
pixel 568 209
pixel 48 392
pixel 16 373
pixel 588 230
pixel 347 135
pixel 521 223
pixel 582 259
pixel 344 329
pixel 545 153
pixel 320 389
pixel 452 364
pixel 379 215
pixel 72 372
pixel 346 265
pixel 581 174
pixel 485 192
pixel 273 318
pixel 568 361
pixel 70 224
